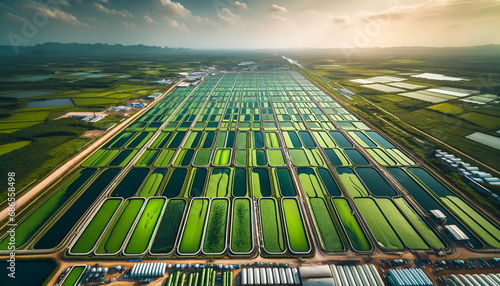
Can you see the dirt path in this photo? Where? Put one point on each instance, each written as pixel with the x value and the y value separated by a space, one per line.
pixel 73 163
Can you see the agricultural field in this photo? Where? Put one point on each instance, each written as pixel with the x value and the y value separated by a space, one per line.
pixel 33 93
pixel 247 163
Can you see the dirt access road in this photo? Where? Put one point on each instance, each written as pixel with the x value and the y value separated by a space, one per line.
pixel 74 162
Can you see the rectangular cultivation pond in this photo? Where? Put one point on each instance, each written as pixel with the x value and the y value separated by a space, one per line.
pixel 193 228
pixel 95 228
pixel 145 227
pixel 166 235
pixel 241 232
pixel 116 233
pixel 297 236
pixel 215 235
pixel 272 231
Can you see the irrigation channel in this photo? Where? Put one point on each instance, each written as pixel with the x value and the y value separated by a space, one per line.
pixel 245 164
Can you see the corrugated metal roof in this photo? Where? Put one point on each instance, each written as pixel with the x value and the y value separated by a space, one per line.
pixel 456 232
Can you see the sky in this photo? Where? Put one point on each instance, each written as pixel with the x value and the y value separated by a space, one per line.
pixel 252 24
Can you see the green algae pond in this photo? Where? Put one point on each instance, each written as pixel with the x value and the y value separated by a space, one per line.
pixel 115 235
pixel 198 182
pixel 153 183
pixel 215 235
pixel 123 158
pixel 352 183
pixel 65 223
pixel 202 157
pixel 176 179
pixel 164 158
pixel 28 227
pixel 166 235
pixel 100 158
pixel 131 183
pixel 272 231
pixel 141 235
pixel 241 231
pixel 95 228
pixel 378 224
pixel 430 236
pixel 377 185
pixel 428 202
pixel 219 184
pixel 297 236
pixel 285 183
pixel 261 184
pixel 240 182
pixel 222 157
pixel 139 140
pixel 358 238
pixel 194 226
pixel 299 157
pixel 276 158
pixel 329 235
pixel 400 224
pixel 74 275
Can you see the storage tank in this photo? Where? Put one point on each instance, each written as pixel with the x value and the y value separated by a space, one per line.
pixel 487 280
pixel 348 274
pixel 376 276
pixel 472 280
pixel 396 278
pixel 263 276
pixel 369 275
pixel 455 280
pixel 355 275
pixel 256 276
pixel 464 280
pixel 336 276
pixel 362 275
pixel 250 276
pixel 243 276
pixel 296 278
pixel 289 276
pixel 138 269
pixel 270 277
pixel 342 275
pixel 417 277
pixel 276 276
pixel 479 280
pixel 283 277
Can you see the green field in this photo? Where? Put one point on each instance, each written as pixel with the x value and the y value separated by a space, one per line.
pixel 6 148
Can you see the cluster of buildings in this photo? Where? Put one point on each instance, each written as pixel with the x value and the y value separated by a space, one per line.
pixel 466 169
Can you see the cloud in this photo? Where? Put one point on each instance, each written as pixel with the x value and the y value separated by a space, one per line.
pixel 13 16
pixel 121 13
pixel 440 10
pixel 56 14
pixel 129 25
pixel 277 9
pixel 175 9
pixel 227 16
pixel 176 25
pixel 105 1
pixel 240 5
pixel 148 19
pixel 340 19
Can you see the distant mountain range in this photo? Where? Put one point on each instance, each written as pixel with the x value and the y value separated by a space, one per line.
pixel 75 49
